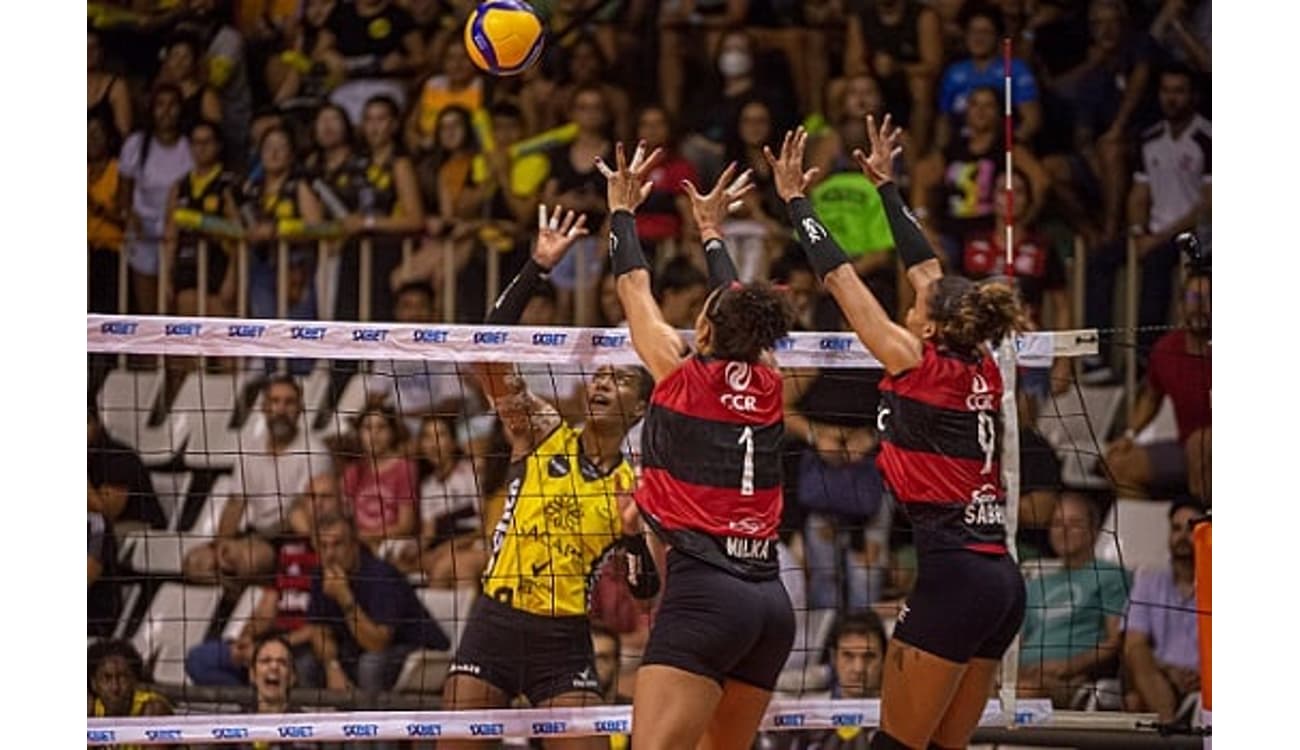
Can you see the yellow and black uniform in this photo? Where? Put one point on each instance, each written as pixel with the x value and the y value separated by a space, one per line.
pixel 277 207
pixel 104 235
pixel 139 699
pixel 561 517
pixel 371 191
pixel 338 187
pixel 203 194
pixel 529 632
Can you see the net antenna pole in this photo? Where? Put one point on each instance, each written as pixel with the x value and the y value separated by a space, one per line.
pixel 1011 421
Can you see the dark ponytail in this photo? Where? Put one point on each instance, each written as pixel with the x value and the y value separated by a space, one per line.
pixel 748 319
pixel 969 314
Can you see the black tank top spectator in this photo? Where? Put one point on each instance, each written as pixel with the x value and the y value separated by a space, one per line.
pixel 388 208
pixel 180 68
pixel 900 42
pixel 206 192
pixel 227 67
pixel 273 202
pixel 370 45
pixel 107 96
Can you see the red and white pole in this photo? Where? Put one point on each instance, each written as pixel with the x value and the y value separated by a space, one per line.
pixel 1008 139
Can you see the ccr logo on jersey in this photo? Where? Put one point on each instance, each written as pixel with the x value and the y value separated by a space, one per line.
pixel 738 375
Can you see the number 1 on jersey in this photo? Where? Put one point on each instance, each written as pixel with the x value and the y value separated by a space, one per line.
pixel 747 473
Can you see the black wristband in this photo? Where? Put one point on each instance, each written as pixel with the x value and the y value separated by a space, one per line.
pixel 509 307
pixel 913 247
pixel 722 270
pixel 624 246
pixel 824 253
pixel 642 576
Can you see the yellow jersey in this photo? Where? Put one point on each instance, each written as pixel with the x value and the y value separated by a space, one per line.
pixel 561 518
pixel 139 698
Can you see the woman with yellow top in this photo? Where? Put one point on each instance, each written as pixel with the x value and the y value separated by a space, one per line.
pixel 458 85
pixel 567 509
pixel 114 673
pixel 104 221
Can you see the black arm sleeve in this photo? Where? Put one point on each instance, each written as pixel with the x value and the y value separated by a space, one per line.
pixel 824 253
pixel 913 247
pixel 509 307
pixel 722 271
pixel 624 246
pixel 642 576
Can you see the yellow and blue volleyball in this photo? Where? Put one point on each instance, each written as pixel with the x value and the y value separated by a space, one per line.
pixel 504 37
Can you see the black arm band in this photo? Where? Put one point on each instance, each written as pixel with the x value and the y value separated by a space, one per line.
pixel 913 247
pixel 824 253
pixel 722 271
pixel 509 307
pixel 642 576
pixel 624 247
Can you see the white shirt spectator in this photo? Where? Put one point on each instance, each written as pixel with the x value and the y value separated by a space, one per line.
pixel 161 168
pixel 270 484
pixel 1176 169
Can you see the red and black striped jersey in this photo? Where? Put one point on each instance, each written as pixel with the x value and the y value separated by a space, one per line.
pixel 940 433
pixel 711 476
pixel 297 562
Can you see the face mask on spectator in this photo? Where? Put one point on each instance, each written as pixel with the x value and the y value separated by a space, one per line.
pixel 281 427
pixel 735 63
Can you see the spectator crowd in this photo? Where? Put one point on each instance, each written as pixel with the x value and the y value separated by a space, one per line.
pixel 343 159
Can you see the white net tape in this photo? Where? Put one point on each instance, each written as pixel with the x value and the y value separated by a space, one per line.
pixel 237 337
pixel 782 715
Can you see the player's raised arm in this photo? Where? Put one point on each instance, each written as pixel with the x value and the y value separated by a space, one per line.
pixel 658 345
pixel 527 417
pixel 913 248
pixel 710 210
pixel 895 347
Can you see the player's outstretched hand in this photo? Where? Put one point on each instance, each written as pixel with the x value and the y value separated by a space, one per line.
pixel 628 186
pixel 886 145
pixel 711 208
pixel 787 169
pixel 555 234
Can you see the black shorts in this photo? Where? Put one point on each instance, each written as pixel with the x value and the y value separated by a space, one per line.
pixel 522 653
pixel 965 605
pixel 714 624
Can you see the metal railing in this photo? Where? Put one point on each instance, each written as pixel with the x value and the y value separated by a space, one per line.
pixel 237 245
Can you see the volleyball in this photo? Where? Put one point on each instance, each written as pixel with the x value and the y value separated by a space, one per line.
pixel 504 37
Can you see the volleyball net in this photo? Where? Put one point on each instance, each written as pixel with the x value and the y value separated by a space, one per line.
pixel 236 438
